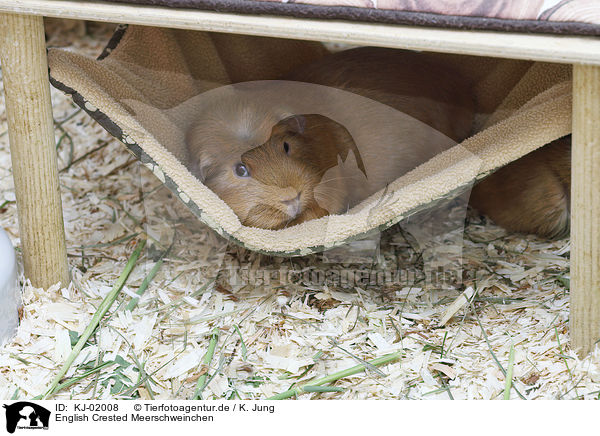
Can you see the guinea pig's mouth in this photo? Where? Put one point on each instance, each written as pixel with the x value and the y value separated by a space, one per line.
pixel 293 207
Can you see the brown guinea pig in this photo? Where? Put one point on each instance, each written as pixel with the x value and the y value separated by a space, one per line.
pixel 292 177
pixel 532 194
pixel 324 173
pixel 224 130
pixel 311 166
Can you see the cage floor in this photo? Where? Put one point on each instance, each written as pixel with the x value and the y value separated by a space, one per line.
pixel 275 333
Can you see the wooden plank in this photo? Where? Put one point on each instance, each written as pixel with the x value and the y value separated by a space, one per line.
pixel 552 48
pixel 585 206
pixel 32 149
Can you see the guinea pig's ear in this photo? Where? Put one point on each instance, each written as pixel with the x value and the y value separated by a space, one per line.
pixel 295 124
pixel 345 143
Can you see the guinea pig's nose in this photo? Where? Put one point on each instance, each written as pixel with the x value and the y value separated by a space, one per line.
pixel 293 205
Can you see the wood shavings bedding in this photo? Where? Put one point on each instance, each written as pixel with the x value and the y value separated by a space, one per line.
pixel 274 332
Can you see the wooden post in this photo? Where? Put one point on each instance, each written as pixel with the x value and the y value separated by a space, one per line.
pixel 585 209
pixel 33 149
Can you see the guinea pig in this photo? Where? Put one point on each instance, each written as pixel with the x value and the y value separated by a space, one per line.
pixel 216 141
pixel 275 168
pixel 532 194
pixel 296 174
pixel 311 166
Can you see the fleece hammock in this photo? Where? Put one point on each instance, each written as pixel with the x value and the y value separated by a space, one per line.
pixel 139 87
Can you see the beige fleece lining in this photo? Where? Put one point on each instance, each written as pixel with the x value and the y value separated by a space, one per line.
pixel 522 105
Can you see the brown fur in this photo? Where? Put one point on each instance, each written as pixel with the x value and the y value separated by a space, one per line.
pixel 410 82
pixel 532 194
pixel 316 140
pixel 299 172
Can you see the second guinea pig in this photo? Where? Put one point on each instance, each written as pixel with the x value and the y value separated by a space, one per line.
pixel 532 194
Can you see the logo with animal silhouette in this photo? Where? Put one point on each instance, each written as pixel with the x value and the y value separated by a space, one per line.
pixel 26 415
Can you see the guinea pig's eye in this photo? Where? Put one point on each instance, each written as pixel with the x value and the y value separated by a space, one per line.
pixel 241 170
pixel 286 148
